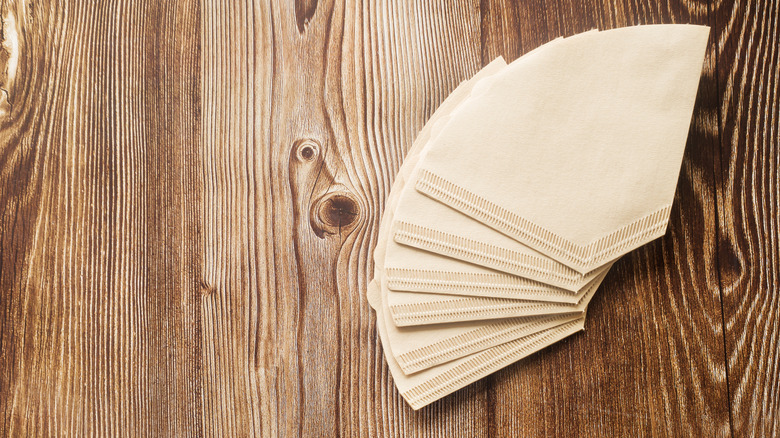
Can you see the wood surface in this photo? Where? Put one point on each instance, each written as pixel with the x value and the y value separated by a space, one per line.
pixel 190 193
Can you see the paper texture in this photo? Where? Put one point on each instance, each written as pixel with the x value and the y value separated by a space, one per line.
pixel 408 269
pixel 419 347
pixel 422 223
pixel 423 350
pixel 409 308
pixel 535 276
pixel 426 224
pixel 416 348
pixel 424 387
pixel 577 149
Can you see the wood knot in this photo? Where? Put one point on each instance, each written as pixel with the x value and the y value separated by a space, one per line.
pixel 307 150
pixel 729 259
pixel 304 11
pixel 207 289
pixel 335 213
pixel 338 211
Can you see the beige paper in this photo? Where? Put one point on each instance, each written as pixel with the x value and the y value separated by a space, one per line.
pixel 535 277
pixel 430 384
pixel 427 386
pixel 411 270
pixel 423 223
pixel 494 285
pixel 410 309
pixel 417 348
pixel 459 278
pixel 576 151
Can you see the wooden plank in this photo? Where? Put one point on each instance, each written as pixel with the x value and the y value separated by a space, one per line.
pixel 308 109
pixel 98 202
pixel 748 192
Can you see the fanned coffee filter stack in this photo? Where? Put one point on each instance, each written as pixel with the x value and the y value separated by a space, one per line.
pixel 518 195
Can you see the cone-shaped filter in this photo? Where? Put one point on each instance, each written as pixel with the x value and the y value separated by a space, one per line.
pixel 412 308
pixel 455 277
pixel 420 347
pixel 429 385
pixel 421 223
pixel 575 151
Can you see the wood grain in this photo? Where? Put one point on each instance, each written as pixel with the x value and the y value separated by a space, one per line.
pixel 190 194
pixel 749 210
pixel 98 207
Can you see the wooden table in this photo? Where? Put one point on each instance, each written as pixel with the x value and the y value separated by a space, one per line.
pixel 190 193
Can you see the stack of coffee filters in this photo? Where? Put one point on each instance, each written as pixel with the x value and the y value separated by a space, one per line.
pixel 519 194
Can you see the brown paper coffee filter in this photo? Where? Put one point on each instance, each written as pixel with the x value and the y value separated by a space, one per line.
pixel 576 150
